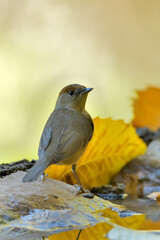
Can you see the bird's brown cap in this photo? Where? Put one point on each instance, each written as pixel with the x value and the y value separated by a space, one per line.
pixel 71 87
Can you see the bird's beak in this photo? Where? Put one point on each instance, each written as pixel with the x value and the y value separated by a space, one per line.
pixel 86 90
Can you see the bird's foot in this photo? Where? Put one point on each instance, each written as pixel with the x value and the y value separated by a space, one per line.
pixel 43 176
pixel 80 189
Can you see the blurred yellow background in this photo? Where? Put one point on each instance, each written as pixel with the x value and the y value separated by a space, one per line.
pixel 112 46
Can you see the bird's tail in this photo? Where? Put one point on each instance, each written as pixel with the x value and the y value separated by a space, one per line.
pixel 36 171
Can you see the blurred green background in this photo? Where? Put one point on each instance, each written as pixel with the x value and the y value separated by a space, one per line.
pixel 112 46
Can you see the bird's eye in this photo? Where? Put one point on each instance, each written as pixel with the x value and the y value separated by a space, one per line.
pixel 71 92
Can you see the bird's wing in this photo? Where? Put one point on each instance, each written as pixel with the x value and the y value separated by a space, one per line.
pixel 67 138
pixel 44 141
pixel 74 137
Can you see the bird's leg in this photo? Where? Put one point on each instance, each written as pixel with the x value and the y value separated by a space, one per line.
pixel 43 176
pixel 80 185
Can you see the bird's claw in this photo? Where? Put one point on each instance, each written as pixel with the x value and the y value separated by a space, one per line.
pixel 80 189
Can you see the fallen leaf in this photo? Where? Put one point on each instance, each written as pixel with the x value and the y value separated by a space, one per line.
pixel 99 230
pixel 147 109
pixel 151 225
pixel 114 143
pixel 113 231
pixel 94 233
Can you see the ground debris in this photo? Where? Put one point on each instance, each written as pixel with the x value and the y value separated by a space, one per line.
pixel 8 168
pixel 147 135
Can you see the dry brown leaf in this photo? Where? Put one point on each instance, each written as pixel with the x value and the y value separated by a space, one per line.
pixel 147 109
pixel 114 143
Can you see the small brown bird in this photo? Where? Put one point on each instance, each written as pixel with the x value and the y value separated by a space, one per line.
pixel 66 133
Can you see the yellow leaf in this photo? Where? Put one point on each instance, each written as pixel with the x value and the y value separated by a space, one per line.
pixel 150 225
pixel 94 233
pixel 147 109
pixel 99 230
pixel 114 143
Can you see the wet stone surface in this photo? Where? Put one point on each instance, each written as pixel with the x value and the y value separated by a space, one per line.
pixel 35 209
